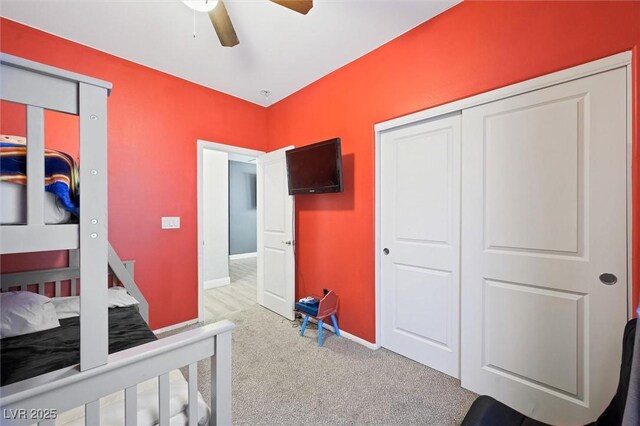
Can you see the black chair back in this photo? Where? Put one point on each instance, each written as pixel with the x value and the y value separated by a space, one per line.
pixel 614 413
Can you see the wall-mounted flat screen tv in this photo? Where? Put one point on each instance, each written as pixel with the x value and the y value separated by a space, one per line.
pixel 315 169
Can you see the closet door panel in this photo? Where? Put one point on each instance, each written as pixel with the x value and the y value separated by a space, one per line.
pixel 420 235
pixel 543 215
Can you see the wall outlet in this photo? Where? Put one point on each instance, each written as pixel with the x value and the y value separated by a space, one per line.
pixel 170 222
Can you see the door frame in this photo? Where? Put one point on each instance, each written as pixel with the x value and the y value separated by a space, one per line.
pixel 620 60
pixel 212 146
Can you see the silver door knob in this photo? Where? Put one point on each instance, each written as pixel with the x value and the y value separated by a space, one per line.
pixel 386 251
pixel 287 243
pixel 608 278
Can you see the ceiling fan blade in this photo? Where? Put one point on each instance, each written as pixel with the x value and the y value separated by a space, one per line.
pixel 223 26
pixel 300 6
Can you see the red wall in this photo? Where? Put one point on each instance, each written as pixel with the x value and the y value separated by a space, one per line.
pixel 154 121
pixel 472 48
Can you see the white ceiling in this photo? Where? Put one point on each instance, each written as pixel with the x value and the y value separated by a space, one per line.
pixel 280 50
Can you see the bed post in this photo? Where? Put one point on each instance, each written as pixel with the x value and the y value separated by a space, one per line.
pixel 74 258
pixel 35 165
pixel 221 408
pixel 93 226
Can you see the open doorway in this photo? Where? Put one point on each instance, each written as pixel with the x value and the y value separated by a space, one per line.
pixel 227 230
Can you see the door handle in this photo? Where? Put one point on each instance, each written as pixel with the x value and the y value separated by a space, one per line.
pixel 608 278
pixel 288 243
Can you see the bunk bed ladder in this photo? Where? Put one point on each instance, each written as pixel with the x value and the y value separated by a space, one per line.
pixel 124 273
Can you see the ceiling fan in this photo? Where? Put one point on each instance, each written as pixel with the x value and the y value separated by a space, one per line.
pixel 222 23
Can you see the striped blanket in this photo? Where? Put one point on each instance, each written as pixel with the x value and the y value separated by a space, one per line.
pixel 60 170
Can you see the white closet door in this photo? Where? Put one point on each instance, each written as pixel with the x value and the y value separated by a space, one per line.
pixel 543 216
pixel 276 263
pixel 420 203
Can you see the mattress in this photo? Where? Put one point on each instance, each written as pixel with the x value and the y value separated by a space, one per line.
pixel 30 355
pixel 13 206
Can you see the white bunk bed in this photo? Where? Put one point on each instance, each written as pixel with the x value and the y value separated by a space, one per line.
pixel 91 257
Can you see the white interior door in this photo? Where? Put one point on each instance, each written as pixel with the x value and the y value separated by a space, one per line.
pixel 276 265
pixel 543 216
pixel 420 235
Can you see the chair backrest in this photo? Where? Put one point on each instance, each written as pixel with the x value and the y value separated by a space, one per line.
pixel 615 411
pixel 632 408
pixel 328 304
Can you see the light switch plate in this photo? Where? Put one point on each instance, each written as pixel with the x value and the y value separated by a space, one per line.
pixel 170 222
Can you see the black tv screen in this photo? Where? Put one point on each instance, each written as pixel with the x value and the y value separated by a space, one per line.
pixel 315 169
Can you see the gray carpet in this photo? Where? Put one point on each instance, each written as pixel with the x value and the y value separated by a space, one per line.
pixel 280 378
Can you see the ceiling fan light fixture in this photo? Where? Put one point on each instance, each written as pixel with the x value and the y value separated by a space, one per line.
pixel 201 5
pixel 222 24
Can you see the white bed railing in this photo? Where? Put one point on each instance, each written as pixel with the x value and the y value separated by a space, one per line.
pixel 23 281
pixel 122 272
pixel 62 390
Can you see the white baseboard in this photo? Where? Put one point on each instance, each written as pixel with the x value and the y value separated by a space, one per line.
pixel 349 336
pixel 242 256
pixel 217 283
pixel 174 326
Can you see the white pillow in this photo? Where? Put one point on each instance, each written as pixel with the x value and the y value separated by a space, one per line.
pixel 24 312
pixel 118 297
pixel 67 307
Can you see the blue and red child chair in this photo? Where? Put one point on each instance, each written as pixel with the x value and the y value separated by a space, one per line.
pixel 319 310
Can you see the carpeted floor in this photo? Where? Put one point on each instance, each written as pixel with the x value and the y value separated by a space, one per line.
pixel 280 378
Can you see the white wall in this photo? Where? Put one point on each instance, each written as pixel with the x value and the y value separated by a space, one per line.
pixel 243 217
pixel 215 217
